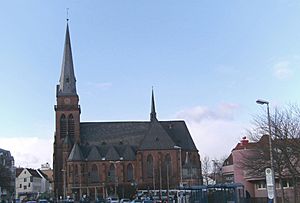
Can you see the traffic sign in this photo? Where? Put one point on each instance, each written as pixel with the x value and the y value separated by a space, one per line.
pixel 269 181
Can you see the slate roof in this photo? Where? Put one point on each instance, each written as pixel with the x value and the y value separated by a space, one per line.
pixel 76 154
pixel 117 140
pixel 43 174
pixel 33 172
pixel 157 138
pixel 94 154
pixel 67 81
pixel 19 171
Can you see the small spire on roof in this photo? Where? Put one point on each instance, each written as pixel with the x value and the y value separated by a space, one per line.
pixel 153 112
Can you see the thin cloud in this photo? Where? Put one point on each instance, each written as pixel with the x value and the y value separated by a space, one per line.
pixel 215 131
pixel 224 111
pixel 101 86
pixel 283 70
pixel 29 151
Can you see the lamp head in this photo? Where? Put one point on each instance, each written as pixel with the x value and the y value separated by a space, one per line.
pixel 262 102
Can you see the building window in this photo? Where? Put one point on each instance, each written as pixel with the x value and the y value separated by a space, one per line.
pixel 20 185
pixel 287 184
pixel 167 166
pixel 149 166
pixel 28 184
pixel 71 126
pixel 129 172
pixel 111 173
pixel 260 185
pixel 25 179
pixel 76 176
pixel 25 187
pixel 63 126
pixel 94 176
pixel 31 178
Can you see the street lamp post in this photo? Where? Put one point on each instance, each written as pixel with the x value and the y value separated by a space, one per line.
pixel 64 176
pixel 262 102
pixel 116 181
pixel 180 165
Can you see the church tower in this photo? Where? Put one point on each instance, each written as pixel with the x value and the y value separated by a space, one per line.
pixel 67 110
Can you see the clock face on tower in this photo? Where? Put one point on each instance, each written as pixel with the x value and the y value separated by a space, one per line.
pixel 67 100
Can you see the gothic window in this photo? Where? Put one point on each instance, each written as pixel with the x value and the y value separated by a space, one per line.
pixel 149 166
pixel 94 176
pixel 129 172
pixel 167 166
pixel 76 177
pixel 71 126
pixel 112 173
pixel 63 126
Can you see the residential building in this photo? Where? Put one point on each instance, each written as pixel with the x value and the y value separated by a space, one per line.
pixel 235 170
pixel 101 158
pixel 31 183
pixel 46 169
pixel 7 167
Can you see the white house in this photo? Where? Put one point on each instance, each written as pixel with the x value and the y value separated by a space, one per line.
pixel 31 183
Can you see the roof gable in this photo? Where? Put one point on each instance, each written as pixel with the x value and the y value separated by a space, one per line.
pixel 33 172
pixel 157 138
pixel 112 154
pixel 76 154
pixel 129 154
pixel 94 154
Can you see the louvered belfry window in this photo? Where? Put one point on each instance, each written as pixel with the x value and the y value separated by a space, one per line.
pixel 71 126
pixel 63 126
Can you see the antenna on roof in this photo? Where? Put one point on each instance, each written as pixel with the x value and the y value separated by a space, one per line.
pixel 67 14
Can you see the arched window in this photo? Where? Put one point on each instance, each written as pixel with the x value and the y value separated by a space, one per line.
pixel 71 126
pixel 94 176
pixel 149 166
pixel 70 169
pixel 167 166
pixel 76 177
pixel 129 172
pixel 63 126
pixel 112 173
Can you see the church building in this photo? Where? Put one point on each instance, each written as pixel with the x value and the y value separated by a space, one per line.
pixel 106 158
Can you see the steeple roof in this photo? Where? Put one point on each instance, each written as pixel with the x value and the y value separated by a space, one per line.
pixel 153 112
pixel 67 81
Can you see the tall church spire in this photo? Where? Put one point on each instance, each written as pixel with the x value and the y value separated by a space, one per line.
pixel 67 81
pixel 153 112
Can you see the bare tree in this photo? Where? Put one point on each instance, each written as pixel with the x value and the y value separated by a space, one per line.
pixel 285 134
pixel 206 169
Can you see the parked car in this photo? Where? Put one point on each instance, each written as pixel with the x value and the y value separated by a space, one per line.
pixel 112 200
pixel 100 200
pixel 136 201
pixel 125 200
pixel 147 201
pixel 43 201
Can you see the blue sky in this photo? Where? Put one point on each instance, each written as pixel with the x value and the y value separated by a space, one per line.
pixel 207 60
